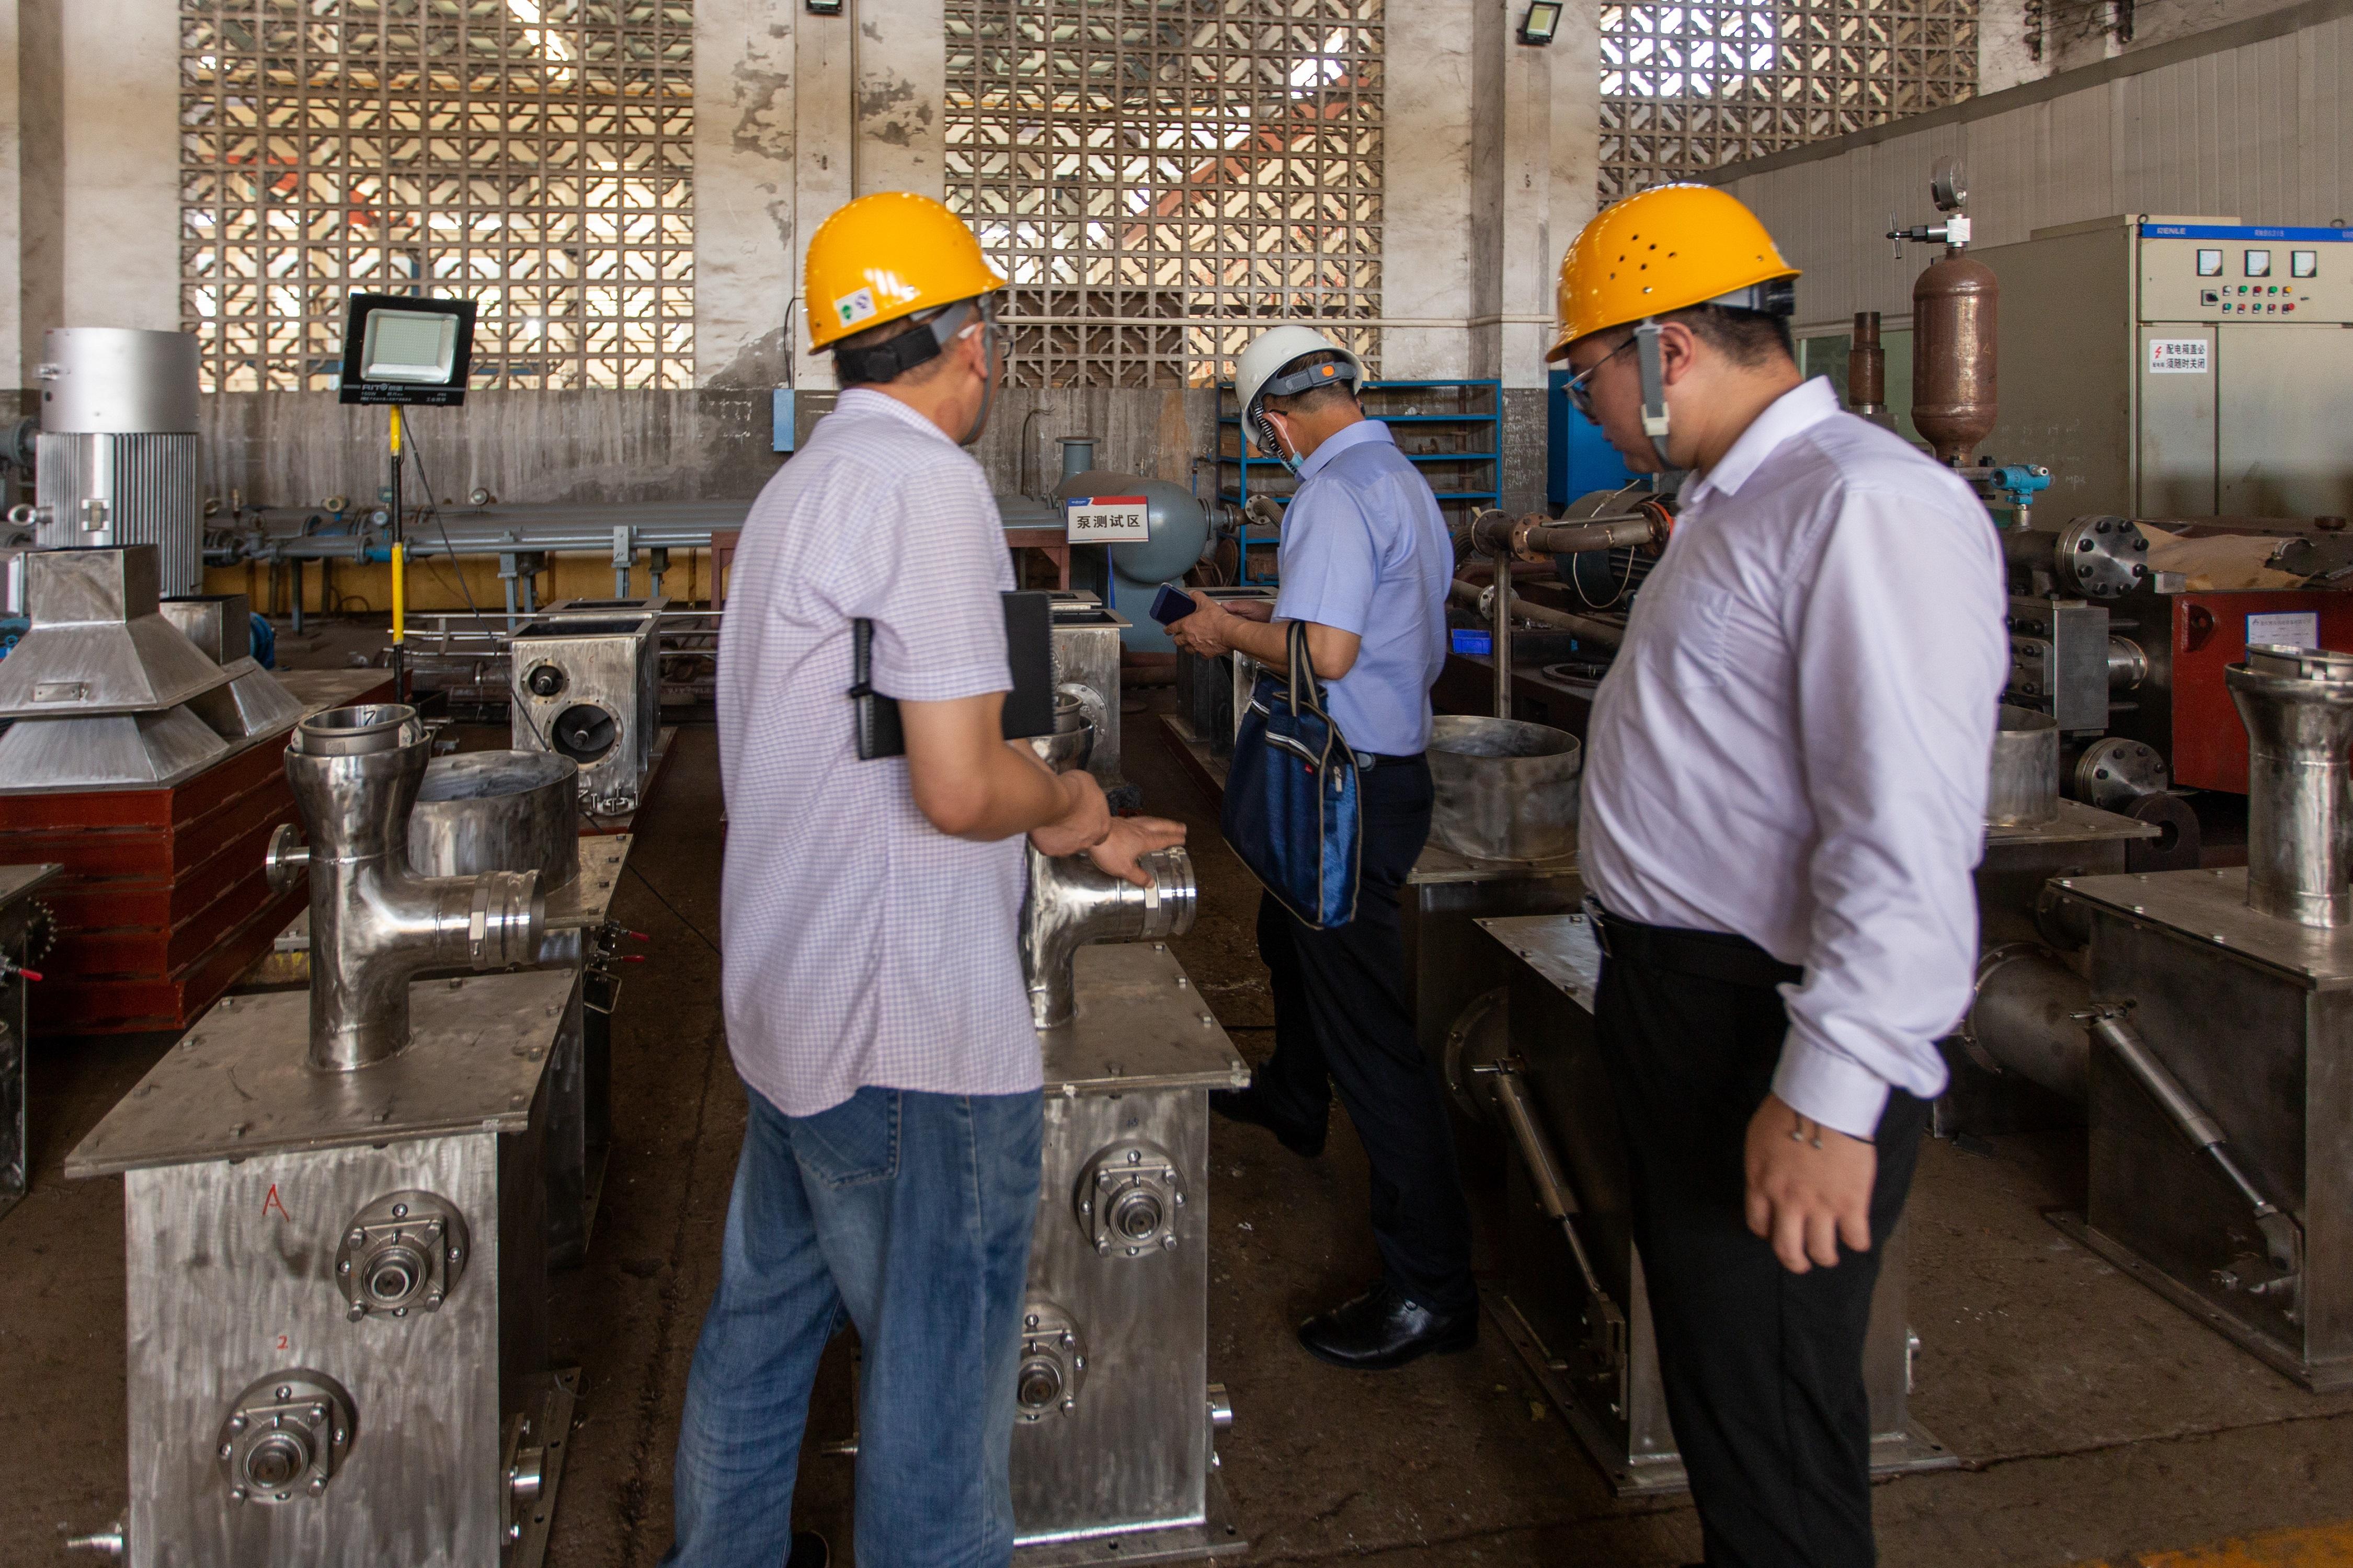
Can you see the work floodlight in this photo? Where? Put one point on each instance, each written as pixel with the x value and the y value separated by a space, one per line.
pixel 1541 22
pixel 407 349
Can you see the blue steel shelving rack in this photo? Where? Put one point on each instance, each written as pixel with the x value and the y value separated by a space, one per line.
pixel 1469 434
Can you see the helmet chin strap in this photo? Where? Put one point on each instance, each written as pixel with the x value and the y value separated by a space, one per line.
pixel 1654 390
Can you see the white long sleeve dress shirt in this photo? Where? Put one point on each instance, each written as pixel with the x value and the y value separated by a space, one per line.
pixel 1792 744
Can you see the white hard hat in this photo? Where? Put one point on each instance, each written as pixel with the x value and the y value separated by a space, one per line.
pixel 1269 352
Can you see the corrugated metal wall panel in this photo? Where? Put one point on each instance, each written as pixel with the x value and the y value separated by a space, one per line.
pixel 2261 132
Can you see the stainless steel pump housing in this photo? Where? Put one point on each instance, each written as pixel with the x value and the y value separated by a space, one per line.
pixel 374 923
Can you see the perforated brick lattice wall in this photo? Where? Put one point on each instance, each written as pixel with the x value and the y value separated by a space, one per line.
pixel 1158 178
pixel 1693 87
pixel 534 154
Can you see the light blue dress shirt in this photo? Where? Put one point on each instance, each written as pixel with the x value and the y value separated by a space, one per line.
pixel 1364 549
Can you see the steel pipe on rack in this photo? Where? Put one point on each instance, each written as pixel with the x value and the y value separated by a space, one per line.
pixel 1473 596
pixel 1536 537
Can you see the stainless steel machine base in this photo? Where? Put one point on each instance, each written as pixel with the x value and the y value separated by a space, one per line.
pixel 1573 1300
pixel 1892 1454
pixel 336 1284
pixel 24 926
pixel 2252 1018
pixel 1219 1536
pixel 1116 1428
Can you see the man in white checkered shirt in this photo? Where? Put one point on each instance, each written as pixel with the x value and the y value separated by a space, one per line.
pixel 872 978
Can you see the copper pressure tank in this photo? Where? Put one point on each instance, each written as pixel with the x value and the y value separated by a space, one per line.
pixel 1953 306
pixel 1866 366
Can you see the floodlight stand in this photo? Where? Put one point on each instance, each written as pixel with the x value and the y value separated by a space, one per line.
pixel 399 575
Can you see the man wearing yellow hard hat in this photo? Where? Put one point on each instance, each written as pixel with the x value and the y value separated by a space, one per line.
pixel 1783 799
pixel 869 905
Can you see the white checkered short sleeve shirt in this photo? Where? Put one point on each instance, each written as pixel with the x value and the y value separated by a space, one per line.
pixel 860 944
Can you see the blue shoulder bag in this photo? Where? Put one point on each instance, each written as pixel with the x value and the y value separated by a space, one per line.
pixel 1291 809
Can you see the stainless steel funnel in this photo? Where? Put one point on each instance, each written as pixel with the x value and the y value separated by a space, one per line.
pixel 99 642
pixel 2297 705
pixel 374 922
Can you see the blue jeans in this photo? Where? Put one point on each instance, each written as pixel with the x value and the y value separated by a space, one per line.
pixel 912 1213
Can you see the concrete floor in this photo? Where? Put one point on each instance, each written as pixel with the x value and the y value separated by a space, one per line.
pixel 2095 1420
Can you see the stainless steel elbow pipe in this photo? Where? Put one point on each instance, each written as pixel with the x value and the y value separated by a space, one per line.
pixel 375 924
pixel 1071 903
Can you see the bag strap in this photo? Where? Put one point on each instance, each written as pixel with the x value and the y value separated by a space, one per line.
pixel 1295 657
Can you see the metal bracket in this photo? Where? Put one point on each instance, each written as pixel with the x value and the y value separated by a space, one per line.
pixel 530 1468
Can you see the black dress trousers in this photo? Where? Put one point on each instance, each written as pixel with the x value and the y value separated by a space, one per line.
pixel 1341 1022
pixel 1762 1368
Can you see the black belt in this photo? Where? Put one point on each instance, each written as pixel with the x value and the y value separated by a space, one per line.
pixel 1703 954
pixel 1367 761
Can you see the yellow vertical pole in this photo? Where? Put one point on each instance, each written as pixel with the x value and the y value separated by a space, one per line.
pixel 399 550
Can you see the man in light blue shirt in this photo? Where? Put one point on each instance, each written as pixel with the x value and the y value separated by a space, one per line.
pixel 1366 564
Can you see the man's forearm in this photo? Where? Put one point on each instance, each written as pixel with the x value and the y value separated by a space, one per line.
pixel 967 781
pixel 1269 642
pixel 1022 796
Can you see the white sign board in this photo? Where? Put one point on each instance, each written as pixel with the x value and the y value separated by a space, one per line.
pixel 2177 356
pixel 2284 628
pixel 1106 519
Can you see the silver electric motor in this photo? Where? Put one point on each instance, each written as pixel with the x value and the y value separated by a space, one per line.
pixel 590 687
pixel 116 460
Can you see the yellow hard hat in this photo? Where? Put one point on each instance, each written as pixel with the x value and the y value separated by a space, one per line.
pixel 1666 249
pixel 887 255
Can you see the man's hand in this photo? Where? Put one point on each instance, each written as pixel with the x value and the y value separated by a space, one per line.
pixel 1130 838
pixel 1204 631
pixel 1086 816
pixel 1259 610
pixel 1809 1187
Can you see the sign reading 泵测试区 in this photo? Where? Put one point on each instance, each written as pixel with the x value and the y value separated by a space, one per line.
pixel 1106 519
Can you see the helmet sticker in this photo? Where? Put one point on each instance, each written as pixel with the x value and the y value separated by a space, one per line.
pixel 852 309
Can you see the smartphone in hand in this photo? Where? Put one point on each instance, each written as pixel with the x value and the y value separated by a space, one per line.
pixel 1172 604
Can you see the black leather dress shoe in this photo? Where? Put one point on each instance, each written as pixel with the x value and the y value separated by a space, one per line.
pixel 809 1550
pixel 1250 1105
pixel 1384 1327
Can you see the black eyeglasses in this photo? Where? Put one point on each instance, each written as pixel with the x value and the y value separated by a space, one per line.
pixel 1578 387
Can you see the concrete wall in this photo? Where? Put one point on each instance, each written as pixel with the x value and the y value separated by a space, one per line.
pixel 94 86
pixel 2247 121
pixel 2016 46
pixel 1492 155
pixel 296 449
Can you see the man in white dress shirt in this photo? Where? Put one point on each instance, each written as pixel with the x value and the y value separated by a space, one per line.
pixel 1783 800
